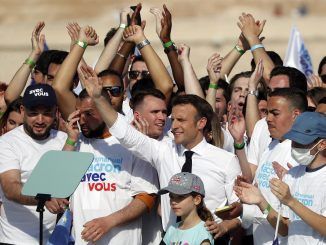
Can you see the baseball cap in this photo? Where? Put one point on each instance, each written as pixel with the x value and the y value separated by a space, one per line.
pixel 184 183
pixel 307 127
pixel 39 94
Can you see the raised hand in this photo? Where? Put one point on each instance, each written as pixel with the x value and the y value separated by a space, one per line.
pixel 92 83
pixel 236 124
pixel 141 124
pixel 88 34
pixel 73 31
pixel 248 193
pixel 281 190
pixel 158 16
pixel 124 17
pixel 166 25
pixel 249 27
pixel 134 34
pixel 256 75
pixel 183 53
pixel 315 81
pixel 71 125
pixel 213 67
pixel 38 39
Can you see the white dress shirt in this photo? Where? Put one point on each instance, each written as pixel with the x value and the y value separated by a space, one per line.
pixel 216 167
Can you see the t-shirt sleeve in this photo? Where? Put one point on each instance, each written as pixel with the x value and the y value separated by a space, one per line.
pixel 232 171
pixel 141 145
pixel 8 158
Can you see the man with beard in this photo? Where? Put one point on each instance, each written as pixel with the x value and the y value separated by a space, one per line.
pixel 21 149
pixel 116 190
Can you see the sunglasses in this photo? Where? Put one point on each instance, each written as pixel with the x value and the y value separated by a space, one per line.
pixel 135 74
pixel 115 91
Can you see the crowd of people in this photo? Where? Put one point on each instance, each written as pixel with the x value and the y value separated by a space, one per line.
pixel 242 159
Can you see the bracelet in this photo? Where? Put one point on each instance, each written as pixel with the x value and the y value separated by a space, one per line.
pixel 70 142
pixel 122 56
pixel 31 63
pixel 239 146
pixel 267 210
pixel 142 44
pixel 123 26
pixel 240 50
pixel 82 44
pixel 214 86
pixel 168 44
pixel 253 48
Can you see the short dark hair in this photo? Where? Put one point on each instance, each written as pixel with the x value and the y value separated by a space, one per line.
pixel 316 94
pixel 275 57
pixel 109 35
pixel 58 56
pixel 136 59
pixel 42 64
pixel 321 64
pixel 245 74
pixel 142 84
pixel 84 95
pixel 296 78
pixel 139 96
pixel 296 97
pixel 202 107
pixel 221 83
pixel 111 73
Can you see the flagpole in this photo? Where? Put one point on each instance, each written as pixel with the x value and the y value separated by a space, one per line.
pixel 278 220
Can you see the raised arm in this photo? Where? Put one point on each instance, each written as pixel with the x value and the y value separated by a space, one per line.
pixel 192 85
pixel 111 48
pixel 169 47
pixel 251 30
pixel 63 80
pixel 156 68
pixel 252 111
pixel 214 72
pixel 18 82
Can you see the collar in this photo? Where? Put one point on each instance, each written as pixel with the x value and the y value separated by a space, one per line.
pixel 105 135
pixel 199 149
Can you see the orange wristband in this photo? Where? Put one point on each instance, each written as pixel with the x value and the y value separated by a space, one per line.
pixel 148 199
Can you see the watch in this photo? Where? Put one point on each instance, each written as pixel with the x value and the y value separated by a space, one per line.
pixel 253 92
pixel 142 44
pixel 172 47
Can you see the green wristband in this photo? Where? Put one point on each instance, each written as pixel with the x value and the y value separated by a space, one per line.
pixel 167 44
pixel 82 44
pixel 214 86
pixel 239 146
pixel 70 142
pixel 240 50
pixel 31 63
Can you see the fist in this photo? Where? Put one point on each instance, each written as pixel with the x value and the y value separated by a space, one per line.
pixel 134 34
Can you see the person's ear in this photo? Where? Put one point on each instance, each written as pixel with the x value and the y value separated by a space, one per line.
pixel 22 109
pixel 201 123
pixel 296 112
pixel 322 145
pixel 197 199
pixel 136 115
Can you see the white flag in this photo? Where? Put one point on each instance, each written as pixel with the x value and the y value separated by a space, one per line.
pixel 297 55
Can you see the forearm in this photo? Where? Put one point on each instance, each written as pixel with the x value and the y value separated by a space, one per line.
pixel 129 213
pixel 18 82
pixel 232 224
pixel 156 68
pixel 109 52
pixel 260 53
pixel 119 61
pixel 192 85
pixel 14 194
pixel 247 169
pixel 176 69
pixel 252 114
pixel 229 62
pixel 314 220
pixel 108 114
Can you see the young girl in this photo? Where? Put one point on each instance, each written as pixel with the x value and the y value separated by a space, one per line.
pixel 187 193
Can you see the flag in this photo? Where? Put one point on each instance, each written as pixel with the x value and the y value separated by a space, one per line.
pixel 275 242
pixel 297 55
pixel 61 233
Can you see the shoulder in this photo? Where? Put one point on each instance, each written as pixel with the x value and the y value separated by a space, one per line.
pixel 212 150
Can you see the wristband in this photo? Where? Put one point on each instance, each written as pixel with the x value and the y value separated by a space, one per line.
pixel 253 48
pixel 267 210
pixel 214 86
pixel 168 44
pixel 31 63
pixel 240 50
pixel 82 44
pixel 253 92
pixel 122 56
pixel 70 142
pixel 239 146
pixel 123 26
pixel 142 44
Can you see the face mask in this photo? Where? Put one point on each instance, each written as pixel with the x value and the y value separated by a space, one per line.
pixel 302 155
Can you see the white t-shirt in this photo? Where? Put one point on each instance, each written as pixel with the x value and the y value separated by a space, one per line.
pixel 310 189
pixel 19 224
pixel 280 152
pixel 109 185
pixel 216 167
pixel 260 139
